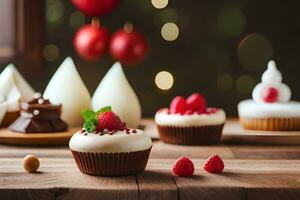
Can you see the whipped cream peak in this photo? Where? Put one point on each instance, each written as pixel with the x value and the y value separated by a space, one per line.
pixel 272 75
pixel 115 90
pixel 271 78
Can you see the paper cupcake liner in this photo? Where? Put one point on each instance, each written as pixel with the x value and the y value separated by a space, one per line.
pixel 271 124
pixel 111 164
pixel 191 135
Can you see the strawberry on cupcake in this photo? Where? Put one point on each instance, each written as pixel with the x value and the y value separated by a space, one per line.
pixel 105 146
pixel 190 122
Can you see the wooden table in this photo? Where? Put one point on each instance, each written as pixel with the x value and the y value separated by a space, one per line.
pixel 251 172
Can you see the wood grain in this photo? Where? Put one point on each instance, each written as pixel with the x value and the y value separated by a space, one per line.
pixel 36 139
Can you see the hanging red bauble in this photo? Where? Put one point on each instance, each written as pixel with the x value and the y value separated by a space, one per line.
pixel 95 7
pixel 91 40
pixel 128 46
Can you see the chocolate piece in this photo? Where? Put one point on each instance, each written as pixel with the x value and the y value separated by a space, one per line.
pixel 39 116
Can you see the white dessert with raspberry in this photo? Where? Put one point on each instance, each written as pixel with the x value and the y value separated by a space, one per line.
pixel 13 89
pixel 105 146
pixel 115 90
pixel 190 122
pixel 271 108
pixel 67 88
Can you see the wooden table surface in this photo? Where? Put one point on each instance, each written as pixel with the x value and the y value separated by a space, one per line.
pixel 251 172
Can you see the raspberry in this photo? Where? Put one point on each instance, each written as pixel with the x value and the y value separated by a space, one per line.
pixel 178 105
pixel 196 102
pixel 270 95
pixel 183 167
pixel 214 164
pixel 110 121
pixel 189 112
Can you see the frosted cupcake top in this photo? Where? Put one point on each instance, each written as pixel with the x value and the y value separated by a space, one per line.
pixel 189 112
pixel 271 98
pixel 103 131
pixel 271 89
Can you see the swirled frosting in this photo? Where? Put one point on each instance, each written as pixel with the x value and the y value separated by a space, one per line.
pixel 271 78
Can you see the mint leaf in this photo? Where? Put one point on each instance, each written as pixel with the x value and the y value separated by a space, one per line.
pixel 88 114
pixel 89 126
pixel 103 110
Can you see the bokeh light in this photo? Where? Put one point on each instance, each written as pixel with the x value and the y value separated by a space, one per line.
pixel 164 80
pixel 231 22
pixel 224 82
pixel 51 52
pixel 159 4
pixel 76 20
pixel 54 12
pixel 245 84
pixel 254 51
pixel 170 31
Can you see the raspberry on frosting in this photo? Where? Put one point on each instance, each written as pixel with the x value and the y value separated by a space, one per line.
pixel 194 104
pixel 270 95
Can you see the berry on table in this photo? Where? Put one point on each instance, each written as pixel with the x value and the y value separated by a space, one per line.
pixel 214 164
pixel 183 167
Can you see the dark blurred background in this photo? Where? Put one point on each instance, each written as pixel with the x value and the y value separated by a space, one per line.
pixel 217 48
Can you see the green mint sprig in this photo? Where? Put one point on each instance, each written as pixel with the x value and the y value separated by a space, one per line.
pixel 91 118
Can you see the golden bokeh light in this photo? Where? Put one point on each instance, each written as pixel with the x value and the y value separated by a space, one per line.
pixel 224 82
pixel 50 52
pixel 159 4
pixel 76 20
pixel 164 80
pixel 170 31
pixel 245 84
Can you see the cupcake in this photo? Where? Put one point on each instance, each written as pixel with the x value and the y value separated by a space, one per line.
pixel 271 108
pixel 106 147
pixel 190 122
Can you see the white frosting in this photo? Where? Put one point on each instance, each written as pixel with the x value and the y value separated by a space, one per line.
pixel 118 142
pixel 67 88
pixel 249 108
pixel 115 90
pixel 14 88
pixel 163 118
pixel 271 78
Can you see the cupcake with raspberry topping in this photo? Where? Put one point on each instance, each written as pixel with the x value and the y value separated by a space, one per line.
pixel 106 147
pixel 271 108
pixel 190 122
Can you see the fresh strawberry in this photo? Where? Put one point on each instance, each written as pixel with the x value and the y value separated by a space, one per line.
pixel 214 164
pixel 178 105
pixel 270 95
pixel 196 102
pixel 110 121
pixel 183 167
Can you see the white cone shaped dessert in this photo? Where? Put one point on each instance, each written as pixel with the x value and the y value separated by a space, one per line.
pixel 13 88
pixel 67 88
pixel 115 90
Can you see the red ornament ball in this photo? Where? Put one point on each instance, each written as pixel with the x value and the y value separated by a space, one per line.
pixel 95 7
pixel 128 46
pixel 91 41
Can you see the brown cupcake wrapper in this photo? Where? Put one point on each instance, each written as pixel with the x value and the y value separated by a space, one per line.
pixel 111 164
pixel 191 135
pixel 271 124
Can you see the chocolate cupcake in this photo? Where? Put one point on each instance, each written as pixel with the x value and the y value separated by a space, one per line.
pixel 271 108
pixel 106 147
pixel 39 116
pixel 190 122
